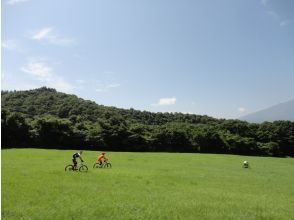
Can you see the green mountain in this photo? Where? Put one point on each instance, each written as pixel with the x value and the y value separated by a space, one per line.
pixel 45 118
pixel 48 101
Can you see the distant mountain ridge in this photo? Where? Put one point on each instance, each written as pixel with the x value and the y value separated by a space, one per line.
pixel 282 111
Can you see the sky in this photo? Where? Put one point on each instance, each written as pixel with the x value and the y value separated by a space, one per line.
pixel 219 58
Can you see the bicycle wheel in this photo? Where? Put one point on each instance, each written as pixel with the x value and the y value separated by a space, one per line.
pixel 107 165
pixel 69 168
pixel 96 165
pixel 83 168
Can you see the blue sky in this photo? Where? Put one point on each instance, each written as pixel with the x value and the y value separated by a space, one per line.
pixel 219 58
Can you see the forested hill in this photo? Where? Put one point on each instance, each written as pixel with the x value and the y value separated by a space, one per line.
pixel 48 101
pixel 46 118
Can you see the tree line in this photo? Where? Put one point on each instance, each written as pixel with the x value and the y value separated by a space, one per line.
pixel 46 118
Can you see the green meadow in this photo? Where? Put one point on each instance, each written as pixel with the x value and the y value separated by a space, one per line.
pixel 145 186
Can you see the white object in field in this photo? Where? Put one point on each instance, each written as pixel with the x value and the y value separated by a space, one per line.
pixel 245 164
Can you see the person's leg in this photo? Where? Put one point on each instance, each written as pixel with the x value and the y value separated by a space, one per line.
pixel 75 163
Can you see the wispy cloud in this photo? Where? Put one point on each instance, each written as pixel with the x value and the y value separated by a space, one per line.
pixel 264 2
pixel 80 81
pixel 40 71
pixel 77 56
pixel 278 12
pixel 165 101
pixel 3 74
pixel 49 35
pixel 107 87
pixel 14 2
pixel 9 81
pixel 80 84
pixel 189 113
pixel 273 14
pixel 42 34
pixel 108 81
pixel 286 22
pixel 9 45
pixel 242 109
pixel 113 85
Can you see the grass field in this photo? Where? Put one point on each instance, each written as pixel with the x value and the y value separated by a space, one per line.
pixel 146 186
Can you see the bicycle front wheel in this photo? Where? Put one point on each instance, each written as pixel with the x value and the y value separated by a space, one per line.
pixel 83 168
pixel 69 168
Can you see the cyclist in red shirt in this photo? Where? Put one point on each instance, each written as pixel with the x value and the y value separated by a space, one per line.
pixel 101 158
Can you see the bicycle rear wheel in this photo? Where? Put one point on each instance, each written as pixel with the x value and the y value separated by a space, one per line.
pixel 96 165
pixel 83 168
pixel 107 165
pixel 69 168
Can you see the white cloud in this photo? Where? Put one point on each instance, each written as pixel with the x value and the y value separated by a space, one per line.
pixel 9 81
pixel 273 14
pixel 264 2
pixel 282 17
pixel 13 2
pixel 269 10
pixel 50 36
pixel 190 113
pixel 9 44
pixel 61 41
pixel 107 87
pixel 77 56
pixel 285 22
pixel 80 84
pixel 80 81
pixel 242 109
pixel 40 71
pixel 113 85
pixel 3 75
pixel 166 101
pixel 108 81
pixel 19 86
pixel 41 34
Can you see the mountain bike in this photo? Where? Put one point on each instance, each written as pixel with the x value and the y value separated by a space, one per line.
pixel 104 164
pixel 80 167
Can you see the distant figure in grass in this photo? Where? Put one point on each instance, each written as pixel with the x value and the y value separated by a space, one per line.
pixel 245 164
pixel 74 158
pixel 101 158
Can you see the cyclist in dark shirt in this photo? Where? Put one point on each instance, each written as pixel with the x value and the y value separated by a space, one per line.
pixel 74 158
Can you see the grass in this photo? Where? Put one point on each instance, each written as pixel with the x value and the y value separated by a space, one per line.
pixel 146 186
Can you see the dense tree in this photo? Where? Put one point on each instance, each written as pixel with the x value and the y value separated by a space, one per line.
pixel 14 129
pixel 47 118
pixel 50 131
